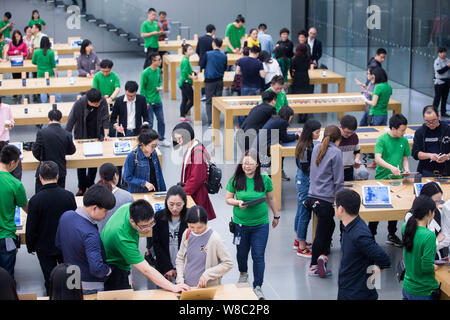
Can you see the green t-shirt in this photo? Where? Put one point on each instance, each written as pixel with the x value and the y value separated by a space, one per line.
pixel 235 35
pixel 150 80
pixel 384 92
pixel 392 151
pixel 33 22
pixel 2 44
pixel 121 241
pixel 148 27
pixel 285 64
pixel 419 278
pixel 106 85
pixel 252 215
pixel 185 71
pixel 7 31
pixel 44 63
pixel 12 194
pixel 281 99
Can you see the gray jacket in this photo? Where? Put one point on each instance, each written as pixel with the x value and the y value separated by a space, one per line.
pixel 441 70
pixel 78 115
pixel 86 63
pixel 327 178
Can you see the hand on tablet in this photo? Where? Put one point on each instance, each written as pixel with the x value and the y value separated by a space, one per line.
pixel 242 206
pixel 395 171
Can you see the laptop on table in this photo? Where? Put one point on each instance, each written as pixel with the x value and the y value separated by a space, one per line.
pixel 377 197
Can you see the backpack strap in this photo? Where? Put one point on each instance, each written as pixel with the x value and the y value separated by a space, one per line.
pixel 188 233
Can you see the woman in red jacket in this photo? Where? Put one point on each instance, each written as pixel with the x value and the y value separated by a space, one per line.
pixel 194 172
pixel 17 47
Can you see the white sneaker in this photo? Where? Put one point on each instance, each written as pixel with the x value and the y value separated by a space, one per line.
pixel 258 292
pixel 243 277
pixel 164 143
pixel 203 98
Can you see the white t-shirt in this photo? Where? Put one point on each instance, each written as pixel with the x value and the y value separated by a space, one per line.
pixel 271 69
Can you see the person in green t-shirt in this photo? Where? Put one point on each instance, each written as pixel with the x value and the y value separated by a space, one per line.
pixel 276 85
pixel 380 98
pixel 12 196
pixel 44 58
pixel 36 18
pixel 420 249
pixel 6 25
pixel 107 82
pixel 150 31
pixel 151 85
pixel 235 35
pixel 2 47
pixel 120 238
pixel 185 82
pixel 391 155
pixel 251 222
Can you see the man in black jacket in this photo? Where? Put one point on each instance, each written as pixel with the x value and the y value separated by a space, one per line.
pixel 131 109
pixel 204 44
pixel 256 119
pixel 89 118
pixel 315 45
pixel 432 145
pixel 53 143
pixel 44 210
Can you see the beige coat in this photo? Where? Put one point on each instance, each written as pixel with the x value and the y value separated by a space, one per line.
pixel 218 260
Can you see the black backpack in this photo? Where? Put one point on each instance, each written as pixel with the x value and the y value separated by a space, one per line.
pixel 213 184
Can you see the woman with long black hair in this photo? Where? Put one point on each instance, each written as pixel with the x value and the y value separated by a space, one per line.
pixel 419 250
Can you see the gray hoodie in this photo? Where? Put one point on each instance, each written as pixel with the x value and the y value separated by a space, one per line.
pixel 327 178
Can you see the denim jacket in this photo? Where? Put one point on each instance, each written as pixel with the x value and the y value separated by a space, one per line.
pixel 137 175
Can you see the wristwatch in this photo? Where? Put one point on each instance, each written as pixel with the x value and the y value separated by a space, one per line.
pixel 277 218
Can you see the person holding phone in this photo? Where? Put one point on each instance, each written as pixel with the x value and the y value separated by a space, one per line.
pixel 251 223
pixel 151 32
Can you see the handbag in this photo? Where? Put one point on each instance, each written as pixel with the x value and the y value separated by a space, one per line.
pixel 400 271
pixel 232 226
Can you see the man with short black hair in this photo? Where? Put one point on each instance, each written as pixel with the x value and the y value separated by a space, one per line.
pixel 120 237
pixel 151 85
pixel 285 44
pixel 106 81
pixel 276 86
pixel 349 146
pixel 432 145
pixel 215 64
pixel 44 210
pixel 129 111
pixel 12 195
pixel 379 58
pixel 252 71
pixel 441 81
pixel 6 26
pixel 53 143
pixel 235 35
pixel 204 44
pixel 164 25
pixel 150 32
pixel 391 155
pixel 265 39
pixel 89 118
pixel 361 255
pixel 78 238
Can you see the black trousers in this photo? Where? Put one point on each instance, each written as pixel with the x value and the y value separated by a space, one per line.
pixel 325 228
pixel 187 100
pixel 61 182
pixel 348 174
pixel 441 95
pixel 48 263
pixel 117 280
pixel 86 179
pixel 147 57
pixel 392 227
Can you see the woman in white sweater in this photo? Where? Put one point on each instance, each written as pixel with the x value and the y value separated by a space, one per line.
pixel 202 259
pixel 271 67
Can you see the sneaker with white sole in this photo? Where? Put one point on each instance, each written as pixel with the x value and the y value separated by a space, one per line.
pixel 295 246
pixel 203 98
pixel 258 292
pixel 305 253
pixel 314 271
pixel 164 143
pixel 322 267
pixel 243 277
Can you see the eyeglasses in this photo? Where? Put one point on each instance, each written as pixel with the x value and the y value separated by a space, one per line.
pixel 151 225
pixel 434 121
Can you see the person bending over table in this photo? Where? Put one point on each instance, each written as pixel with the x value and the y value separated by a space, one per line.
pixel 121 240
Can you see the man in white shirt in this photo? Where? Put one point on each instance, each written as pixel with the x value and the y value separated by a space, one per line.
pixel 37 35
pixel 315 46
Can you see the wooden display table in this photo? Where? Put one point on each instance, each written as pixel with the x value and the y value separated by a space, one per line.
pixel 300 103
pixel 64 64
pixel 38 113
pixel 38 85
pixel 367 142
pixel 315 77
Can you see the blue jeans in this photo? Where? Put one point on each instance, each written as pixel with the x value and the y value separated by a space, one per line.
pixel 44 97
pixel 247 92
pixel 7 258
pixel 363 122
pixel 157 109
pixel 255 238
pixel 379 120
pixel 408 296
pixel 303 216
